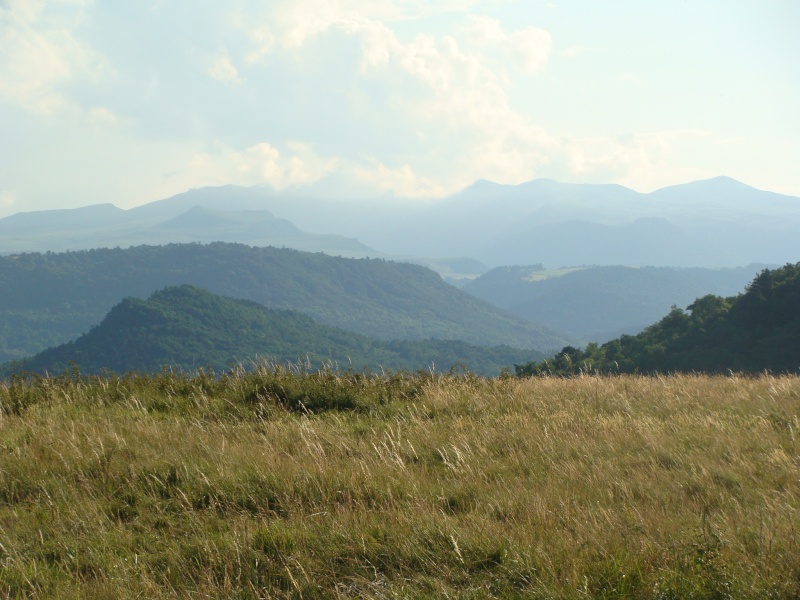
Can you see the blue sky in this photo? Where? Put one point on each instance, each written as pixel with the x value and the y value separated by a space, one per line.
pixel 128 102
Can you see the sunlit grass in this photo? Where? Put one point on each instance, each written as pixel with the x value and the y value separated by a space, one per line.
pixel 253 485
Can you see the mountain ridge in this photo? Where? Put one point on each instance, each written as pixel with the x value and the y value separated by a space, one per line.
pixel 55 297
pixel 168 221
pixel 717 222
pixel 185 327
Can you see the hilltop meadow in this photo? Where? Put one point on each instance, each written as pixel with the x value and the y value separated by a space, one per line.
pixel 277 483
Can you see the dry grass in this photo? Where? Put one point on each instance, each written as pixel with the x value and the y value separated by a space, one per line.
pixel 676 487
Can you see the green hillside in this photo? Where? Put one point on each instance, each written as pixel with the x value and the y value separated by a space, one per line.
pixel 753 332
pixel 598 304
pixel 49 299
pixel 186 327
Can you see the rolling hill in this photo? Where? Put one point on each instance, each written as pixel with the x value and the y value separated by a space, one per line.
pixel 52 298
pixel 185 328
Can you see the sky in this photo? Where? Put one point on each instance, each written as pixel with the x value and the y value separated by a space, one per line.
pixel 130 102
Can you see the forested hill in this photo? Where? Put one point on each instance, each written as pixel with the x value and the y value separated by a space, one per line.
pixel 186 327
pixel 755 331
pixel 49 299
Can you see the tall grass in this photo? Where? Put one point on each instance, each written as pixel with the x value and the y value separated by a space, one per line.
pixel 281 483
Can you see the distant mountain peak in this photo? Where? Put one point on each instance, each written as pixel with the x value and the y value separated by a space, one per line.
pixel 719 183
pixel 481 186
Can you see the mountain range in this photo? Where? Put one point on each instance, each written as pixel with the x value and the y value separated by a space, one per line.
pixel 228 213
pixel 717 222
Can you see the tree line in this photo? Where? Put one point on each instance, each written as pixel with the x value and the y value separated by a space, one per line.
pixel 753 332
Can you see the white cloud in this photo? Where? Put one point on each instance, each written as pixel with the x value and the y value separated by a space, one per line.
pixel 297 164
pixel 485 30
pixel 462 111
pixel 451 91
pixel 403 181
pixel 222 69
pixel 264 42
pixel 444 100
pixel 260 163
pixel 530 47
pixel 640 161
pixel 20 11
pixel 406 96
pixel 37 58
pixel 378 42
pixel 302 20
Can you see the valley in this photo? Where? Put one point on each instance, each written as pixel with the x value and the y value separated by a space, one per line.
pixel 238 242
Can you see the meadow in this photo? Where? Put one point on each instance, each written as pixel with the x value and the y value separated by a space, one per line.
pixel 274 483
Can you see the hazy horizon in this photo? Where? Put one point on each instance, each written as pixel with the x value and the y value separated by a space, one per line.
pixel 131 103
pixel 319 192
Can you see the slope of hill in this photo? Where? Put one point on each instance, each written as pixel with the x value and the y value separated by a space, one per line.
pixel 185 327
pixel 52 298
pixel 755 331
pixel 600 303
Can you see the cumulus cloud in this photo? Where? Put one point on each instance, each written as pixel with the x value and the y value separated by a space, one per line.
pixel 38 56
pixel 402 181
pixel 297 164
pixel 530 47
pixel 453 96
pixel 263 42
pixel 485 30
pixel 640 161
pixel 300 20
pixel 389 94
pixel 464 112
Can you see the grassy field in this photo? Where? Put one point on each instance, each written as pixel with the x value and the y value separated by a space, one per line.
pixel 276 485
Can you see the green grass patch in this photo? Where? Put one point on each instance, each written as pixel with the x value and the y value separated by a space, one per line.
pixel 283 484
